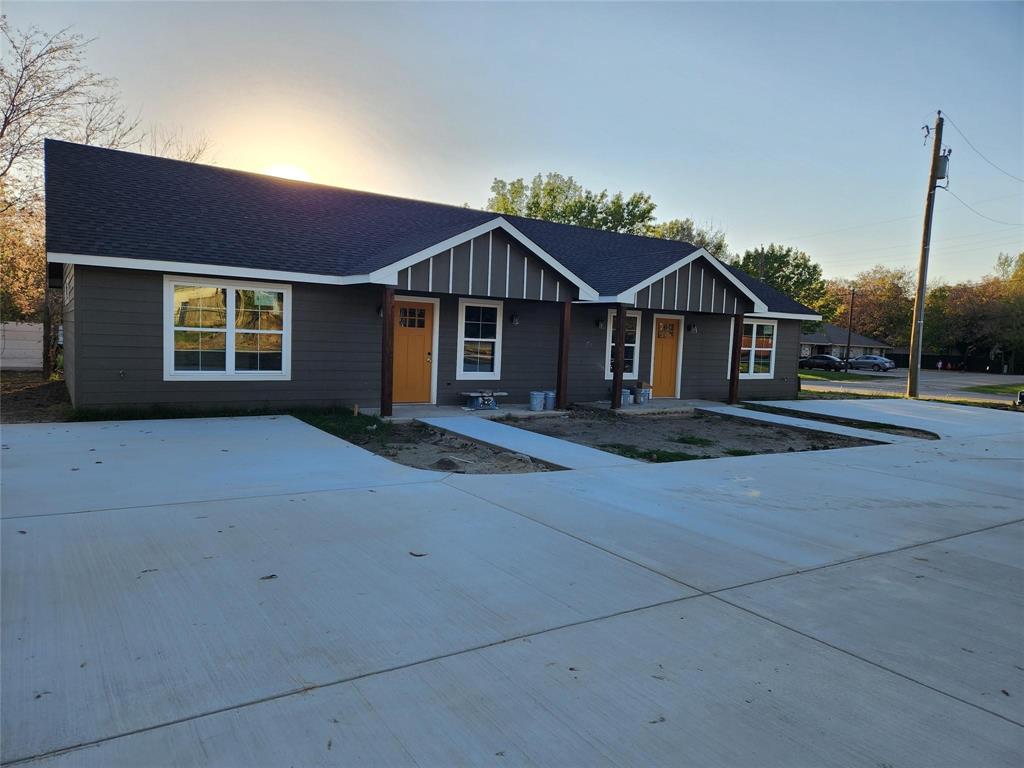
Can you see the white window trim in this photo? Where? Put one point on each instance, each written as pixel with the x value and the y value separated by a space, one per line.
pixel 679 347
pixel 775 345
pixel 285 374
pixel 494 375
pixel 608 345
pixel 434 356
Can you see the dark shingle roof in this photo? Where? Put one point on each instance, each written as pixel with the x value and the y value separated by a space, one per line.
pixel 834 334
pixel 122 204
pixel 776 300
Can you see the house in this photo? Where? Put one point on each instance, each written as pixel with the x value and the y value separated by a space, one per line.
pixel 831 340
pixel 201 286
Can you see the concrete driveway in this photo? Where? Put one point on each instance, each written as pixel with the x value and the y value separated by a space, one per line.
pixel 307 603
pixel 938 384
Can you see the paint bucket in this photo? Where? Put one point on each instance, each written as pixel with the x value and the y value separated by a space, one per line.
pixel 627 397
pixel 536 401
pixel 641 395
pixel 549 400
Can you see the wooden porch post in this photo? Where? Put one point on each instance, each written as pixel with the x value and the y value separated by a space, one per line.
pixel 619 361
pixel 564 331
pixel 387 350
pixel 734 368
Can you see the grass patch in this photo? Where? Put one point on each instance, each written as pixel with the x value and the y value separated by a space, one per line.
pixel 740 452
pixel 655 456
pixel 809 375
pixel 996 389
pixel 690 440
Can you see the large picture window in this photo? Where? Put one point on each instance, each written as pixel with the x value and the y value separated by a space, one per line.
pixel 757 350
pixel 479 351
pixel 226 330
pixel 631 354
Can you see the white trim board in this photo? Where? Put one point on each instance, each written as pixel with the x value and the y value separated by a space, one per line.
pixel 389 274
pixel 434 352
pixel 215 270
pixel 784 316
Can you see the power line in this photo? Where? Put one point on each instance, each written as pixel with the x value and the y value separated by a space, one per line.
pixel 977 212
pixel 978 151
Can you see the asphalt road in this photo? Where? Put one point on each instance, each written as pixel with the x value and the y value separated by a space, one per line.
pixel 943 384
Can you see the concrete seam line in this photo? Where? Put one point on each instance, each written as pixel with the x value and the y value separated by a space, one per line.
pixel 573 536
pixel 341 681
pixel 859 558
pixel 851 654
pixel 188 502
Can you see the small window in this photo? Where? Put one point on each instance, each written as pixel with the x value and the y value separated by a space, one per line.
pixel 479 350
pixel 412 317
pixel 220 330
pixel 757 350
pixel 630 348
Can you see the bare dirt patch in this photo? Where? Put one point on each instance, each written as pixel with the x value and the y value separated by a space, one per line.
pixel 682 437
pixel 420 446
pixel 25 396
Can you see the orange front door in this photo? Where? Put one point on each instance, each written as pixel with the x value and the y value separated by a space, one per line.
pixel 666 356
pixel 414 351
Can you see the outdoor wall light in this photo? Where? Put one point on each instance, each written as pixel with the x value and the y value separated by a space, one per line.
pixel 514 319
pixel 600 323
pixel 380 310
pixel 691 328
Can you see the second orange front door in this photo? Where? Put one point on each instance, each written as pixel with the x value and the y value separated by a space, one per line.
pixel 414 351
pixel 666 356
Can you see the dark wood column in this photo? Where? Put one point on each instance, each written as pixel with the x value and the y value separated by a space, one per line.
pixel 387 350
pixel 619 359
pixel 564 332
pixel 734 367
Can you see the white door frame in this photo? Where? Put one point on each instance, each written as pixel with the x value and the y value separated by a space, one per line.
pixel 434 342
pixel 679 347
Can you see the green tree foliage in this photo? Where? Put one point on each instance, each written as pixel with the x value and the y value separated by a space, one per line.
pixel 705 236
pixel 884 305
pixel 791 271
pixel 562 199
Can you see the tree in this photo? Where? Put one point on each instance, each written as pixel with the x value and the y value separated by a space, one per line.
pixel 562 199
pixel 47 91
pixel 791 271
pixel 884 305
pixel 704 236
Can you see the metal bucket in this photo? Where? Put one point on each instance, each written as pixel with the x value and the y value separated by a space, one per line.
pixel 549 400
pixel 536 401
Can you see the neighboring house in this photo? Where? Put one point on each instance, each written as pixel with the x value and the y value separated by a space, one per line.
pixel 831 340
pixel 189 284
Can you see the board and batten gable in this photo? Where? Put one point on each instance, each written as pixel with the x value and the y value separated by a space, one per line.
pixel 698 286
pixel 492 265
pixel 116 338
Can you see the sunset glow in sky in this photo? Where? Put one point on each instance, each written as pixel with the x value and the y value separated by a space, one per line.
pixel 796 123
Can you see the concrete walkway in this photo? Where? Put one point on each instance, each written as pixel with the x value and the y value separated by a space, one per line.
pixel 851 607
pixel 551 450
pixel 944 419
pixel 791 421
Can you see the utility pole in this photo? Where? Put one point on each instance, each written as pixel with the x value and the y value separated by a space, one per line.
pixel 849 326
pixel 917 329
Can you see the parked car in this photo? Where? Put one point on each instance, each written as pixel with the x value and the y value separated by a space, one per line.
pixel 872 362
pixel 827 362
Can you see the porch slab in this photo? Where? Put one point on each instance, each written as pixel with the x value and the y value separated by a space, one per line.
pixel 817 426
pixel 551 450
pixel 419 411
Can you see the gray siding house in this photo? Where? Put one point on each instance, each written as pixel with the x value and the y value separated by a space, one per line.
pixel 197 286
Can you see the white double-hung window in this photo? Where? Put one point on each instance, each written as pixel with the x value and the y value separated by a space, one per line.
pixel 478 355
pixel 757 350
pixel 226 330
pixel 630 353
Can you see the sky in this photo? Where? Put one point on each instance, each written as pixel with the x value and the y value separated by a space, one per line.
pixel 796 123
